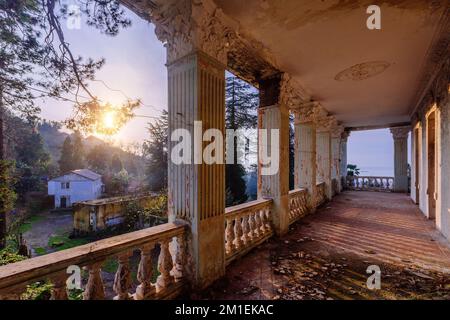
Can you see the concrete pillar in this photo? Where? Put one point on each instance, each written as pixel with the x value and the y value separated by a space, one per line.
pixel 343 171
pixel 197 190
pixel 273 115
pixel 324 160
pixel 400 136
pixel 305 158
pixel 335 162
pixel 443 169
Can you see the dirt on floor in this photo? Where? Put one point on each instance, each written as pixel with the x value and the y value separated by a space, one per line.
pixel 326 255
pixel 300 270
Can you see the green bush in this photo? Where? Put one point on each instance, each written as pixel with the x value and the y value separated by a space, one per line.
pixel 38 291
pixel 7 256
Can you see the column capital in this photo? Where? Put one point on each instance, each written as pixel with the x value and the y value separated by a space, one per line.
pixel 400 132
pixel 345 135
pixel 336 129
pixel 309 112
pixel 188 25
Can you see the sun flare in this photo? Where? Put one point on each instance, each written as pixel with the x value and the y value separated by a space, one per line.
pixel 109 120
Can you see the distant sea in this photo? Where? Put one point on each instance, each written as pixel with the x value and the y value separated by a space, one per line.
pixel 376 171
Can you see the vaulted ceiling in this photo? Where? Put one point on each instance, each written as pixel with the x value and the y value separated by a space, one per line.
pixel 363 77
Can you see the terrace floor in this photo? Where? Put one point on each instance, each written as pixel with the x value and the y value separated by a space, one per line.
pixel 325 255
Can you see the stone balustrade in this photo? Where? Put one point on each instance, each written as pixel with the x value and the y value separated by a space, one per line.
pixel 321 195
pixel 52 267
pixel 298 204
pixel 246 226
pixel 365 183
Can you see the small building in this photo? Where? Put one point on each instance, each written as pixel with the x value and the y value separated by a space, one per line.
pixel 75 186
pixel 96 215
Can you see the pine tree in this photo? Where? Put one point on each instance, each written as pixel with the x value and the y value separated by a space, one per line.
pixel 77 151
pixel 36 61
pixel 241 105
pixel 155 151
pixel 66 160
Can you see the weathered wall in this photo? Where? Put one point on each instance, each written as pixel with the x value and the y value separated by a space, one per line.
pixel 104 214
pixel 437 101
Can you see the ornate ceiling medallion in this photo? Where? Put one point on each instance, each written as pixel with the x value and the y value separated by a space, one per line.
pixel 362 71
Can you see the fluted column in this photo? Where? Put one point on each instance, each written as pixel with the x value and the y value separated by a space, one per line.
pixel 324 160
pixel 443 153
pixel 273 123
pixel 400 136
pixel 343 172
pixel 335 163
pixel 196 102
pixel 305 168
pixel 336 133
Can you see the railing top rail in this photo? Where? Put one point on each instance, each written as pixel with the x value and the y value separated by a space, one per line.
pixel 246 206
pixel 43 266
pixel 295 191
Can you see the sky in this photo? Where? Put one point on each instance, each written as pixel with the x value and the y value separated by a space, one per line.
pixel 135 64
pixel 373 152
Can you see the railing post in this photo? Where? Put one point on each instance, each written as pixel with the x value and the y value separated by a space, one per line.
pixel 145 270
pixel 95 289
pixel 165 265
pixel 122 279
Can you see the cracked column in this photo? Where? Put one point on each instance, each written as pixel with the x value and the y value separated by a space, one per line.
pixel 273 116
pixel 336 134
pixel 443 169
pixel 324 159
pixel 343 171
pixel 196 92
pixel 305 168
pixel 400 135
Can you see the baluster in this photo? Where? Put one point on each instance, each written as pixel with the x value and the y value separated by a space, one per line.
pixel 238 233
pixel 179 267
pixel 122 280
pixel 298 206
pixel 265 220
pixel 258 223
pixel 165 265
pixel 59 291
pixel 245 230
pixel 144 275
pixel 94 287
pixel 229 236
pixel 251 223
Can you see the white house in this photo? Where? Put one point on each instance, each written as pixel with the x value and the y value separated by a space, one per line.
pixel 75 186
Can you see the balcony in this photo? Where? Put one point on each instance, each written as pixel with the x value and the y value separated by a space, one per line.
pixel 361 226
